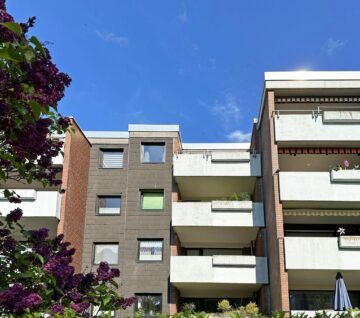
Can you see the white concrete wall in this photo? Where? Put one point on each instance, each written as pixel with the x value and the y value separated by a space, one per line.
pixel 319 253
pixel 200 269
pixel 305 127
pixel 201 214
pixel 202 165
pixel 316 186
pixel 46 204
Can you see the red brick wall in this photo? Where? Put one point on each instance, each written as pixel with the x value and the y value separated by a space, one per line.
pixel 273 211
pixel 75 181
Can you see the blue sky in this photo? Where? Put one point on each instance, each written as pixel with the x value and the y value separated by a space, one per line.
pixel 197 63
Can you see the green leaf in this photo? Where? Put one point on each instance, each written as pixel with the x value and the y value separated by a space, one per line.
pixel 36 108
pixel 4 53
pixel 12 26
pixel 37 44
pixel 29 55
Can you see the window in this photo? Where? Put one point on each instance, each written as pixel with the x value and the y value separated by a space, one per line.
pixel 150 250
pixel 112 158
pixel 152 200
pixel 106 252
pixel 149 305
pixel 109 205
pixel 153 153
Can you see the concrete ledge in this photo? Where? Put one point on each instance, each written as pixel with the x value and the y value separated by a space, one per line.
pixel 342 117
pixel 234 260
pixel 345 176
pixel 245 206
pixel 349 241
pixel 230 157
pixel 25 194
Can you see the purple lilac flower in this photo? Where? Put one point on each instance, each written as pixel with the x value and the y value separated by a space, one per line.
pixel 57 309
pixel 14 215
pixel 9 244
pixel 29 301
pixel 4 232
pixel 80 307
pixel 40 234
pixel 74 296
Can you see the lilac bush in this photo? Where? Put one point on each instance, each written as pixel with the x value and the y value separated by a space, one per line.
pixel 37 277
pixel 30 88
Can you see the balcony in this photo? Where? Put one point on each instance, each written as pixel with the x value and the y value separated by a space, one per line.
pixel 312 262
pixel 218 275
pixel 322 126
pixel 203 176
pixel 234 223
pixel 40 208
pixel 335 190
pixel 217 164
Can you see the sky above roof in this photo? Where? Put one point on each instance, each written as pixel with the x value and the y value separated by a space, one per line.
pixel 198 64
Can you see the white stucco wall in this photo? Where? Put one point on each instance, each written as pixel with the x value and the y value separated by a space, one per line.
pixel 200 269
pixel 202 165
pixel 45 204
pixel 305 127
pixel 316 186
pixel 319 253
pixel 201 214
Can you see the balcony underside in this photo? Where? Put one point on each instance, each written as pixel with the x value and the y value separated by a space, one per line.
pixel 211 290
pixel 208 188
pixel 200 236
pixel 321 279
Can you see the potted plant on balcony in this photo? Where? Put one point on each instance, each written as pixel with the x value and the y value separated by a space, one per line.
pixel 343 173
pixel 235 202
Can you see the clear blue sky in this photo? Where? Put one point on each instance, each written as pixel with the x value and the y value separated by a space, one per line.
pixel 198 63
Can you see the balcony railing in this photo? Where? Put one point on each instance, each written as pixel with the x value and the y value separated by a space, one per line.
pixel 218 214
pixel 35 204
pixel 219 269
pixel 213 164
pixel 322 253
pixel 333 189
pixel 325 124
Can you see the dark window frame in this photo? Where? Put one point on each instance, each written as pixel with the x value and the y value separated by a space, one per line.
pixel 150 239
pixel 148 294
pixel 152 143
pixel 102 150
pixel 141 191
pixel 105 243
pixel 97 206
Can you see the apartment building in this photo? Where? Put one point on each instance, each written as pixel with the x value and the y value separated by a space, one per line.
pixel 201 222
pixel 309 136
pixel 61 209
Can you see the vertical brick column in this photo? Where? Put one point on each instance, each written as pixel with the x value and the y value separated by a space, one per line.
pixel 279 291
pixel 74 185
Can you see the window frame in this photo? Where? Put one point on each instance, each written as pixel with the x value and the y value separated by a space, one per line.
pixel 147 240
pixel 136 307
pixel 142 191
pixel 105 243
pixel 152 143
pixel 101 157
pixel 97 204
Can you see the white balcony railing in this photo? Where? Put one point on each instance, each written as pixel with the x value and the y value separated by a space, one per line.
pixel 218 214
pixel 320 253
pixel 217 164
pixel 325 126
pixel 319 187
pixel 34 203
pixel 219 269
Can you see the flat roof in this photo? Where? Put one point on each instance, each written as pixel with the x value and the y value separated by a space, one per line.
pixel 157 128
pixel 304 75
pixel 106 134
pixel 216 146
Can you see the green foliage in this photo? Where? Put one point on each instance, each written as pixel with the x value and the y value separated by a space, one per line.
pixel 242 196
pixel 224 306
